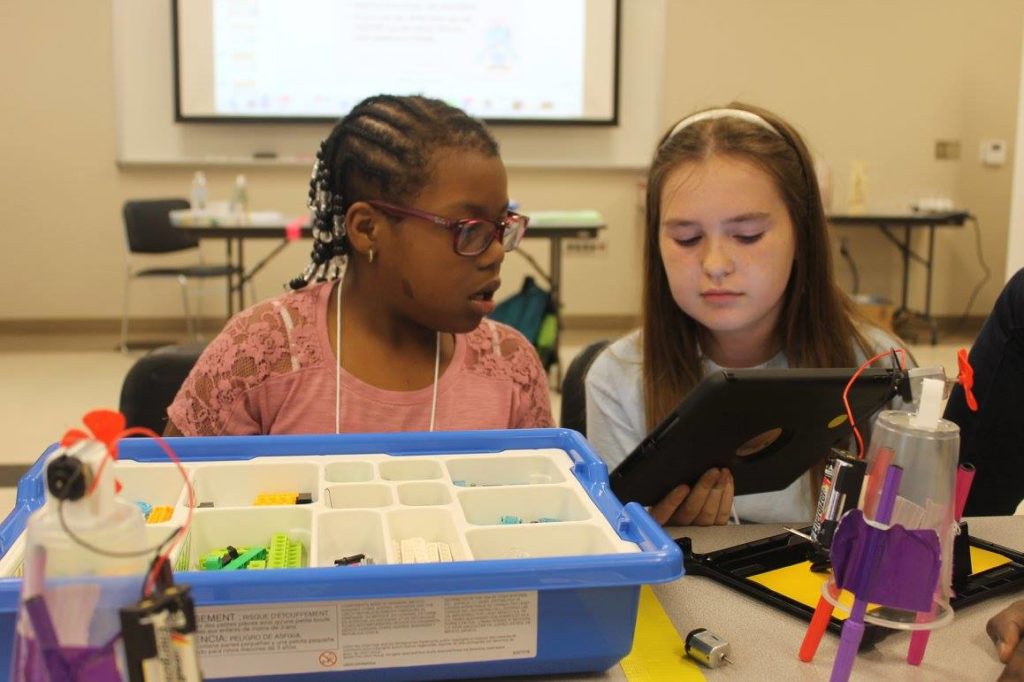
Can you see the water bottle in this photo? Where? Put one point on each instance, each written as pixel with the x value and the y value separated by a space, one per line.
pixel 239 207
pixel 198 195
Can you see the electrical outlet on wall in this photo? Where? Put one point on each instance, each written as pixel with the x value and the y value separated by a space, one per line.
pixel 947 150
pixel 993 152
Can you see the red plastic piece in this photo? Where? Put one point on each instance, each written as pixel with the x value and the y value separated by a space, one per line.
pixel 105 426
pixel 966 378
pixel 293 230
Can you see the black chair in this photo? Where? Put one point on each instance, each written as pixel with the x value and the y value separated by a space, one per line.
pixel 574 395
pixel 149 230
pixel 153 381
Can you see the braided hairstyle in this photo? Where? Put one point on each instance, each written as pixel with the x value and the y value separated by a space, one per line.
pixel 381 150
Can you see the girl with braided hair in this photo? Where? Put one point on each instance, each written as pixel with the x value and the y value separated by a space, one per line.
pixel 385 329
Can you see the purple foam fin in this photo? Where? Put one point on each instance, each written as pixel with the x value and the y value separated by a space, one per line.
pixel 905 569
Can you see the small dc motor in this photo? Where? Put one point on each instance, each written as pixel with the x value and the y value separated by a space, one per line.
pixel 707 648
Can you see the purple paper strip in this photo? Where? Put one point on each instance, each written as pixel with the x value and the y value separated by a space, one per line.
pixel 906 567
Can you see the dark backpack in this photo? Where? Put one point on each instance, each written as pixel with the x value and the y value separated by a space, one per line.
pixel 533 312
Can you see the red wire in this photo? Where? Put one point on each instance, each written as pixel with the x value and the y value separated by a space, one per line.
pixel 112 454
pixel 849 385
pixel 164 556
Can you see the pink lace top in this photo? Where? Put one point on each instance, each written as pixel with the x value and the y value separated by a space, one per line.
pixel 272 370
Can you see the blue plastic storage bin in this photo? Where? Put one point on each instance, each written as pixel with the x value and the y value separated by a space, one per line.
pixel 551 611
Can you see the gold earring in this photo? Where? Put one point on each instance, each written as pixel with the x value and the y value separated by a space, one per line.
pixel 370 254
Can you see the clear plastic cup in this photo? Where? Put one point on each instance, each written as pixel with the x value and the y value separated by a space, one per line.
pixel 926 499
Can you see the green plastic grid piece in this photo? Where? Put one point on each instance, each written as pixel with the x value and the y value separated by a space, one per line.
pixel 283 553
pixel 277 553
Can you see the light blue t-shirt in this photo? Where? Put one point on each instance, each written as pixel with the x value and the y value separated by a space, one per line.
pixel 616 421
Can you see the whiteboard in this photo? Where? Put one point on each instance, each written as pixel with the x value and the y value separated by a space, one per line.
pixel 148 134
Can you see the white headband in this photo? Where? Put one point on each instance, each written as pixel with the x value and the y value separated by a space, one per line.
pixel 711 114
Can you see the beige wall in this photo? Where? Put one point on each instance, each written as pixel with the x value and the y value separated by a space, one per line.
pixel 876 81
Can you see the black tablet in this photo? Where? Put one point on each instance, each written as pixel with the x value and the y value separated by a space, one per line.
pixel 767 426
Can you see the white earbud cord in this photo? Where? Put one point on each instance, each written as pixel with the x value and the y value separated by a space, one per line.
pixel 337 374
pixel 437 371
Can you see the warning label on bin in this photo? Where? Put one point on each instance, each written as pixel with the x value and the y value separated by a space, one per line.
pixel 297 637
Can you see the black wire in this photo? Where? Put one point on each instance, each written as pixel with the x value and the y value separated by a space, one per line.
pixel 977 287
pixel 848 257
pixel 107 552
pixel 152 565
pixel 99 550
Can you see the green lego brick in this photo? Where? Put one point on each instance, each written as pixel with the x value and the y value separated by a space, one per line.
pixel 245 558
pixel 295 555
pixel 277 553
pixel 283 553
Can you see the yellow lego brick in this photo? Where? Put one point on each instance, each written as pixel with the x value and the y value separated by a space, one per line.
pixel 267 499
pixel 160 514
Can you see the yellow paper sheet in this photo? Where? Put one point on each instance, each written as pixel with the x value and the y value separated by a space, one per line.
pixel 982 560
pixel 658 654
pixel 799 582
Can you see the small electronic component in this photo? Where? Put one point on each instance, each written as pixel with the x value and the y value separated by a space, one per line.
pixel 840 491
pixel 354 560
pixel 158 634
pixel 707 648
pixel 217 560
pixel 68 478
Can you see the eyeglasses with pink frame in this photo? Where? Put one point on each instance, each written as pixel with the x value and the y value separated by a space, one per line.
pixel 470 236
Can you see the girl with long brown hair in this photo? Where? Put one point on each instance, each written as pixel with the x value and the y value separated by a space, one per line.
pixel 737 274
